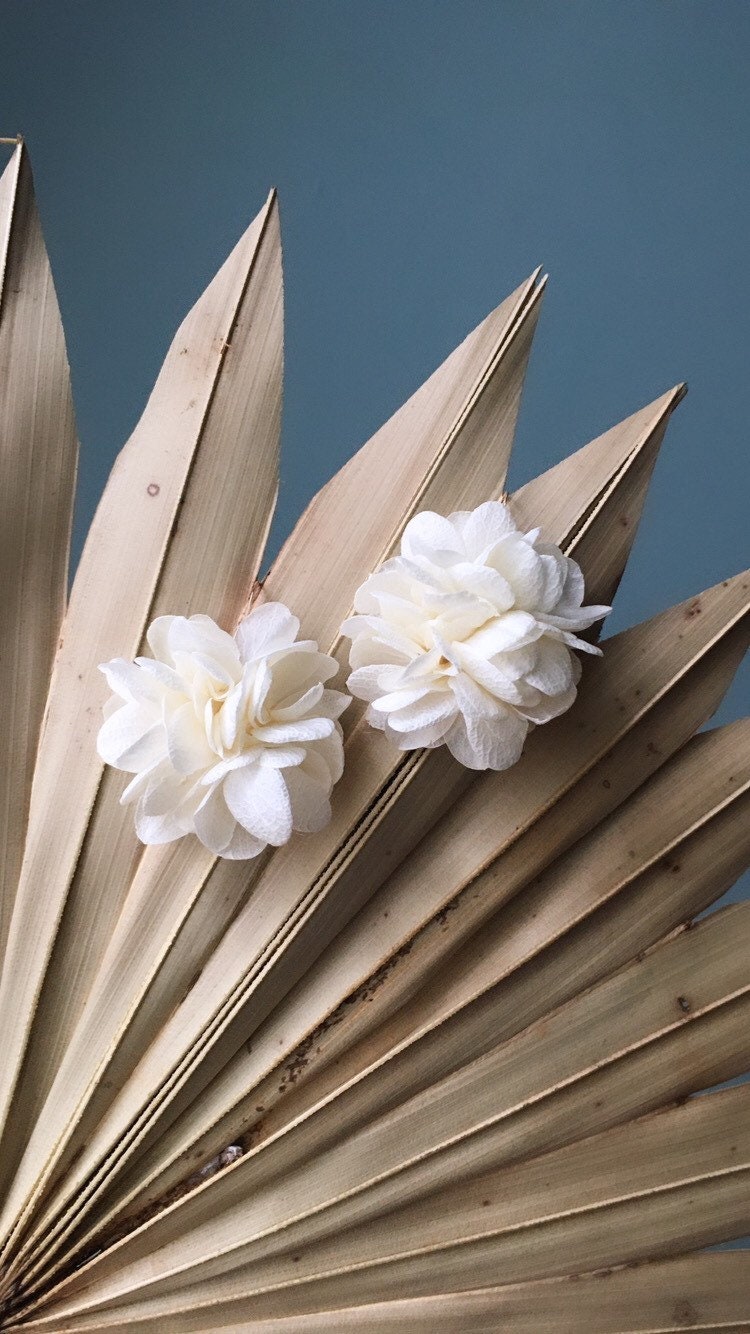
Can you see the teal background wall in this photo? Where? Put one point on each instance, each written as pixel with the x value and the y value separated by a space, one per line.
pixel 429 153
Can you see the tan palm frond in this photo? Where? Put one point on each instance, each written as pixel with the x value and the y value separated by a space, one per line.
pixel 424 1068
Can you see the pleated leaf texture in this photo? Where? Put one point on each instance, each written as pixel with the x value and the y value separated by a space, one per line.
pixel 417 1071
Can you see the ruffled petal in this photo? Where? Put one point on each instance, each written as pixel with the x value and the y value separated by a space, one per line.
pixel 428 534
pixel 302 706
pixel 488 743
pixel 483 527
pixel 243 846
pixel 187 746
pixel 132 738
pixel 487 584
pixel 427 713
pixel 201 637
pixel 504 634
pixel 311 808
pixel 402 699
pixel 157 637
pixel 553 670
pixel 164 676
pixel 157 828
pixel 213 821
pixel 517 561
pixel 258 799
pixel 267 628
pixel 331 751
pixel 127 680
pixel 294 674
pixel 305 729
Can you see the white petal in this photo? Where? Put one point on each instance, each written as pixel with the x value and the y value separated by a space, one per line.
pixel 186 740
pixel 213 822
pixel 166 677
pixel 430 712
pixel 230 715
pixel 317 768
pixel 207 666
pixel 566 637
pixel 402 699
pixel 488 743
pixel 491 677
pixel 378 637
pixel 421 738
pixel 147 781
pixel 517 561
pixel 201 639
pixel 243 846
pixel 553 574
pixel 258 799
pixel 505 633
pixel 331 751
pixel 458 615
pixel 305 729
pixel 267 628
pixel 256 685
pixel 365 682
pixel 281 757
pixel 167 794
pixel 128 681
pixel 550 706
pixel 158 828
pixel 483 527
pixel 571 596
pixel 486 584
pixel 428 534
pixel 397 578
pixel 301 707
pixel 132 738
pixel 472 700
pixel 157 636
pixel 311 809
pixel 552 672
pixel 294 673
pixel 224 767
pixel 333 703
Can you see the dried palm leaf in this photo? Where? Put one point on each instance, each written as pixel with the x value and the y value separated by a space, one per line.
pixel 417 1070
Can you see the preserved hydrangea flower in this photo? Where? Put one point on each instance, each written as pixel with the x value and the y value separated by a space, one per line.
pixel 465 639
pixel 232 738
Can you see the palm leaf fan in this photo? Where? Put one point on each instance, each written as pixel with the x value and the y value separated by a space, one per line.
pixel 423 1067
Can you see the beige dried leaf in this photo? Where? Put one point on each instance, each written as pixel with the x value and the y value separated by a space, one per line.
pixel 460 1035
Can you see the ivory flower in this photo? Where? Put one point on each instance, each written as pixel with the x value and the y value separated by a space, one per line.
pixel 465 639
pixel 232 738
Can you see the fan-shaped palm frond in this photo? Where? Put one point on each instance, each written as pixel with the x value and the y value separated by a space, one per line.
pixel 423 1068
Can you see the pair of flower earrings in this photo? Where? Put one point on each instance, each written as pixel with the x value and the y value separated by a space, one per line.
pixel 465 640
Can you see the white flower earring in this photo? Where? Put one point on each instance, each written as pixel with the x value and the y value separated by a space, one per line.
pixel 232 738
pixel 465 638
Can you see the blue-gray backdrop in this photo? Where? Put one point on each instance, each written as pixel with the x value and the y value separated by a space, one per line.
pixel 429 154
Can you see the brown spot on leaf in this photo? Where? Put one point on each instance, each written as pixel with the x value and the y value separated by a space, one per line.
pixel 685 1314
